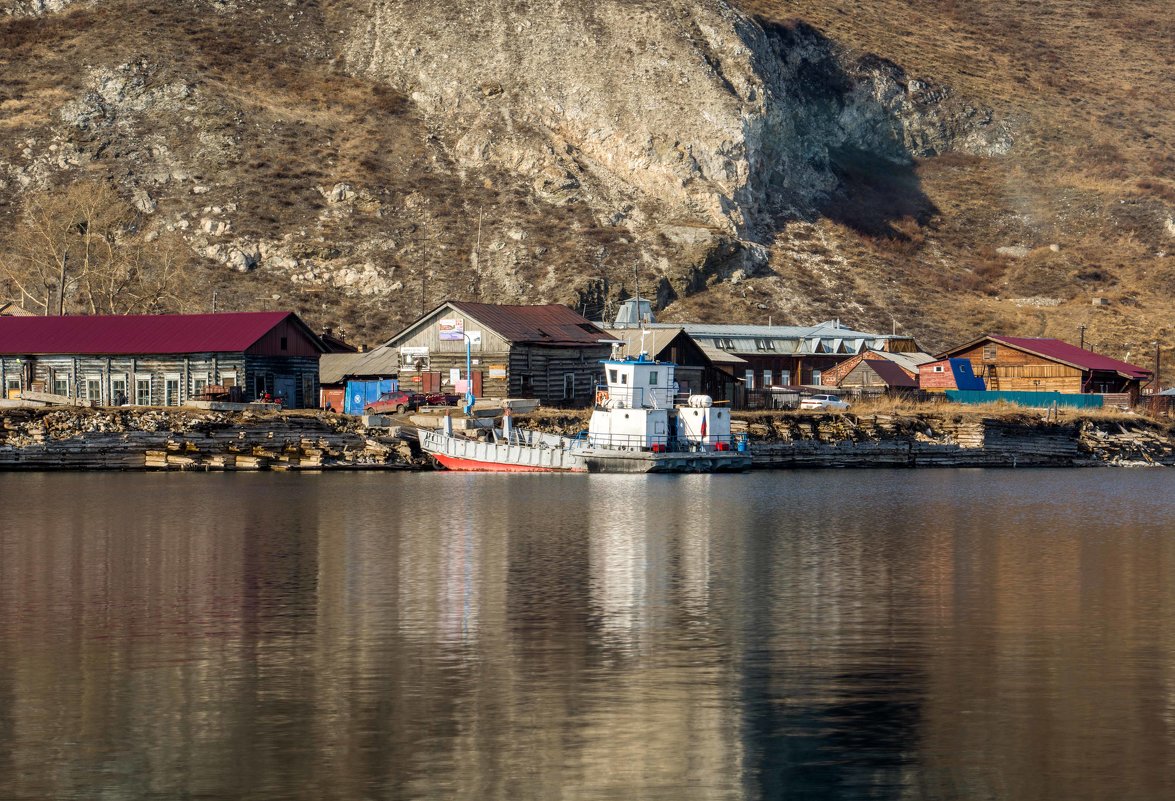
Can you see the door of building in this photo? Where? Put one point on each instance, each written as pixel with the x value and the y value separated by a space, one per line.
pixel 285 390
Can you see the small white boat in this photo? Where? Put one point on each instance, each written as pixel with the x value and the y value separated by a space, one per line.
pixel 635 428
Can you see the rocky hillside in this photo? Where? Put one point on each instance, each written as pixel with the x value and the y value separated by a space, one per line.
pixel 357 160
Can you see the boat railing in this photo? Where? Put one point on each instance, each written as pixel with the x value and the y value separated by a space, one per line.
pixel 662 443
pixel 619 396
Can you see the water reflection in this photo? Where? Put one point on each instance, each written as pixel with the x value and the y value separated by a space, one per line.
pixel 954 634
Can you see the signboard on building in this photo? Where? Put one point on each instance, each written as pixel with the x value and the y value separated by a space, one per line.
pixel 452 329
pixel 497 371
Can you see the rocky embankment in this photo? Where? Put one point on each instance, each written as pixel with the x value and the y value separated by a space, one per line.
pixel 956 440
pixel 186 439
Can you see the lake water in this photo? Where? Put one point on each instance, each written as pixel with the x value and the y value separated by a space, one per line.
pixel 954 634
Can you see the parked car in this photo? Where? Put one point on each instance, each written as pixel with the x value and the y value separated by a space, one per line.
pixel 394 402
pixel 397 402
pixel 824 402
pixel 439 399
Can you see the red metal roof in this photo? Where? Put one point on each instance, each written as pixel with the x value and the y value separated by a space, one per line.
pixel 132 334
pixel 1072 355
pixel 891 374
pixel 552 324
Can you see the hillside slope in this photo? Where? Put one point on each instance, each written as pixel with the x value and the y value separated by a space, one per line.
pixel 932 166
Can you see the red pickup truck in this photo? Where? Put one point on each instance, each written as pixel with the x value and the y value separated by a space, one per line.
pixel 397 402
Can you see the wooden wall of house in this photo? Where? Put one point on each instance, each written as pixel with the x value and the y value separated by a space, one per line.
pixel 492 366
pixel 189 374
pixel 296 341
pixel 862 375
pixel 78 372
pixel 261 373
pixel 426 334
pixel 537 371
pixel 1016 371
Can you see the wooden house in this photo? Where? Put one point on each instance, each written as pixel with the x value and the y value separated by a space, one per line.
pixel 546 352
pixel 907 362
pixel 878 376
pixel 1031 364
pixel 161 360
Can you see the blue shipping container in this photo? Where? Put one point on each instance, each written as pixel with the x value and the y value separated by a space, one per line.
pixel 361 393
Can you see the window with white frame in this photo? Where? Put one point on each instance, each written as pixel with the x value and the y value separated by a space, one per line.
pixel 171 390
pixel 938 368
pixel 749 377
pixel 61 384
pixel 142 390
pixel 94 389
pixel 816 376
pixel 767 378
pixel 118 394
pixel 199 385
pixel 785 378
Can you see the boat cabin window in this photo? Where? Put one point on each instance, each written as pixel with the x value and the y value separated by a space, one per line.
pixel 624 378
pixel 612 377
pixel 652 377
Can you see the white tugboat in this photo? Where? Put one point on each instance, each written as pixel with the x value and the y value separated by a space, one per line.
pixel 635 428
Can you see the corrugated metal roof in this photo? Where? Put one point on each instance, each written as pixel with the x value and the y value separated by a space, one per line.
pixel 719 356
pixel 379 362
pixel 334 367
pixel 552 324
pixel 1061 351
pixel 827 329
pixel 890 373
pixel 655 338
pixel 132 334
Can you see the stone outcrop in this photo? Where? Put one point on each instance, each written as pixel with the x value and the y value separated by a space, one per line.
pixel 664 117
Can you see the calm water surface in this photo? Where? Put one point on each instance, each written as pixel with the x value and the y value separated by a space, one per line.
pixel 789 635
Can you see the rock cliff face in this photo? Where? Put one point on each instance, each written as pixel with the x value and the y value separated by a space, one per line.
pixel 685 122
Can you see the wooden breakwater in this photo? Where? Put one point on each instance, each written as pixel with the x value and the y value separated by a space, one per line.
pixel 186 439
pixel 946 440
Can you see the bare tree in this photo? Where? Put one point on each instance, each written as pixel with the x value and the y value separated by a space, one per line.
pixel 81 250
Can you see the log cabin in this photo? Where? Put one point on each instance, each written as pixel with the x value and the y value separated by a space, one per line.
pixel 1035 364
pixel 546 352
pixel 161 360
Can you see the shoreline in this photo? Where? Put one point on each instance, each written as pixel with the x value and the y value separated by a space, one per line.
pixel 186 439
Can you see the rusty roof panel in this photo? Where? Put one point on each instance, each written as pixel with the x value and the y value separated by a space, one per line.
pixel 552 324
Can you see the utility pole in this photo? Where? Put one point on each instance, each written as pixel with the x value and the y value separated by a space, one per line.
pixel 1158 385
pixel 1082 327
